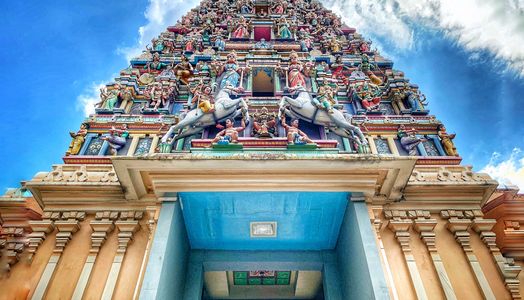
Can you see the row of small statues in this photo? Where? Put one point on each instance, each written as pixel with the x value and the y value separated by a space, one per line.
pixel 264 124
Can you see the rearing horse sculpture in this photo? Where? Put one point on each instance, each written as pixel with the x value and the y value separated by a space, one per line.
pixel 195 120
pixel 303 108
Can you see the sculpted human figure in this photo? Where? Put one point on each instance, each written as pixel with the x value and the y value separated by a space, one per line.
pixel 156 64
pixel 230 133
pixel 366 67
pixel 117 138
pixel 242 29
pixel 295 136
pixel 220 44
pixel 183 70
pixel 264 123
pixel 230 71
pixel 203 98
pixel 108 98
pixel 284 31
pixel 78 139
pixel 326 96
pixel 369 95
pixel 295 71
pixel 409 140
pixel 338 68
pixel 447 140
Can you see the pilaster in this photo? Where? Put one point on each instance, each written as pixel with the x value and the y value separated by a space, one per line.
pixel 67 225
pixel 459 223
pixel 41 228
pixel 101 226
pixel 127 224
pixel 400 222
pixel 425 225
pixel 506 267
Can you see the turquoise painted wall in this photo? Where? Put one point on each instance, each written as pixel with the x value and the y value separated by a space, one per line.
pixel 165 276
pixel 362 276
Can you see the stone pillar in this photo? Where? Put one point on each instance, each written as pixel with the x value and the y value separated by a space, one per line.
pixel 127 225
pixel 508 270
pixel 377 224
pixel 458 224
pixel 101 226
pixel 400 222
pixel 67 225
pixel 425 225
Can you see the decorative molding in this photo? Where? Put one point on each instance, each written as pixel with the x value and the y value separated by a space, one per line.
pixel 458 223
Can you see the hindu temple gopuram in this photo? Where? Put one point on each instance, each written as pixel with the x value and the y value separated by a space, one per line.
pixel 261 150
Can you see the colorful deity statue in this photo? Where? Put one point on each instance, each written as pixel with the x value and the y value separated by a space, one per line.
pixel 326 96
pixel 108 98
pixel 230 71
pixel 230 133
pixel 116 138
pixel 369 95
pixel 334 45
pixel 155 65
pixel 278 8
pixel 367 68
pixel 160 95
pixel 263 45
pixel 183 70
pixel 283 29
pixel 294 135
pixel 242 29
pixel 305 41
pixel 295 72
pixel 78 139
pixel 158 44
pixel 409 140
pixel 203 97
pixel 447 141
pixel 219 43
pixel 245 7
pixel 264 123
pixel 338 69
pixel 415 99
pixel 190 45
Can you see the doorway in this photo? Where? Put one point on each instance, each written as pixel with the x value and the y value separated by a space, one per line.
pixel 263 82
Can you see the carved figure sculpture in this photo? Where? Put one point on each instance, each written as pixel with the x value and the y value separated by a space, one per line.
pixel 284 31
pixel 295 136
pixel 326 96
pixel 230 71
pixel 295 72
pixel 156 64
pixel 229 134
pixel 369 95
pixel 264 124
pixel 108 98
pixel 220 44
pixel 195 120
pixel 447 140
pixel 184 70
pixel 409 140
pixel 78 139
pixel 116 138
pixel 366 67
pixel 242 29
pixel 302 107
pixel 203 98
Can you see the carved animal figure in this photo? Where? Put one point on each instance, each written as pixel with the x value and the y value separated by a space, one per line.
pixel 195 120
pixel 302 107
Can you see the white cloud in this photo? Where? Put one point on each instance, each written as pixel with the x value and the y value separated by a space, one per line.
pixel 496 26
pixel 508 170
pixel 160 14
pixel 87 100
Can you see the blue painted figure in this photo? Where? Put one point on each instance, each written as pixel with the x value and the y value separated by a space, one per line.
pixel 220 44
pixel 230 72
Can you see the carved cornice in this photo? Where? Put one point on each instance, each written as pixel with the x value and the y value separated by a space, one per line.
pixel 448 184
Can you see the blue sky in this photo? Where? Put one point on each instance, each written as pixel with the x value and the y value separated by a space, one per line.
pixel 56 54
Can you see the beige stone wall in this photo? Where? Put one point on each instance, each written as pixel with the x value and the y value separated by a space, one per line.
pixel 456 264
pixel 24 276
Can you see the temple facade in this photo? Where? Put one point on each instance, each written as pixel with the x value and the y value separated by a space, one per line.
pixel 261 149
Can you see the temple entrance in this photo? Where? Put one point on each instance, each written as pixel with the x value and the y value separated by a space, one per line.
pixel 262 245
pixel 263 82
pixel 263 285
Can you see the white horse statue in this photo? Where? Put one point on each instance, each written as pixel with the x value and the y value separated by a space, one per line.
pixel 195 120
pixel 303 108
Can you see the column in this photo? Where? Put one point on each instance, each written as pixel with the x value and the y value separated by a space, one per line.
pixel 127 225
pixel 372 145
pixel 67 225
pixel 508 270
pixel 400 223
pixel 101 226
pixel 425 225
pixel 458 224
pixel 134 143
